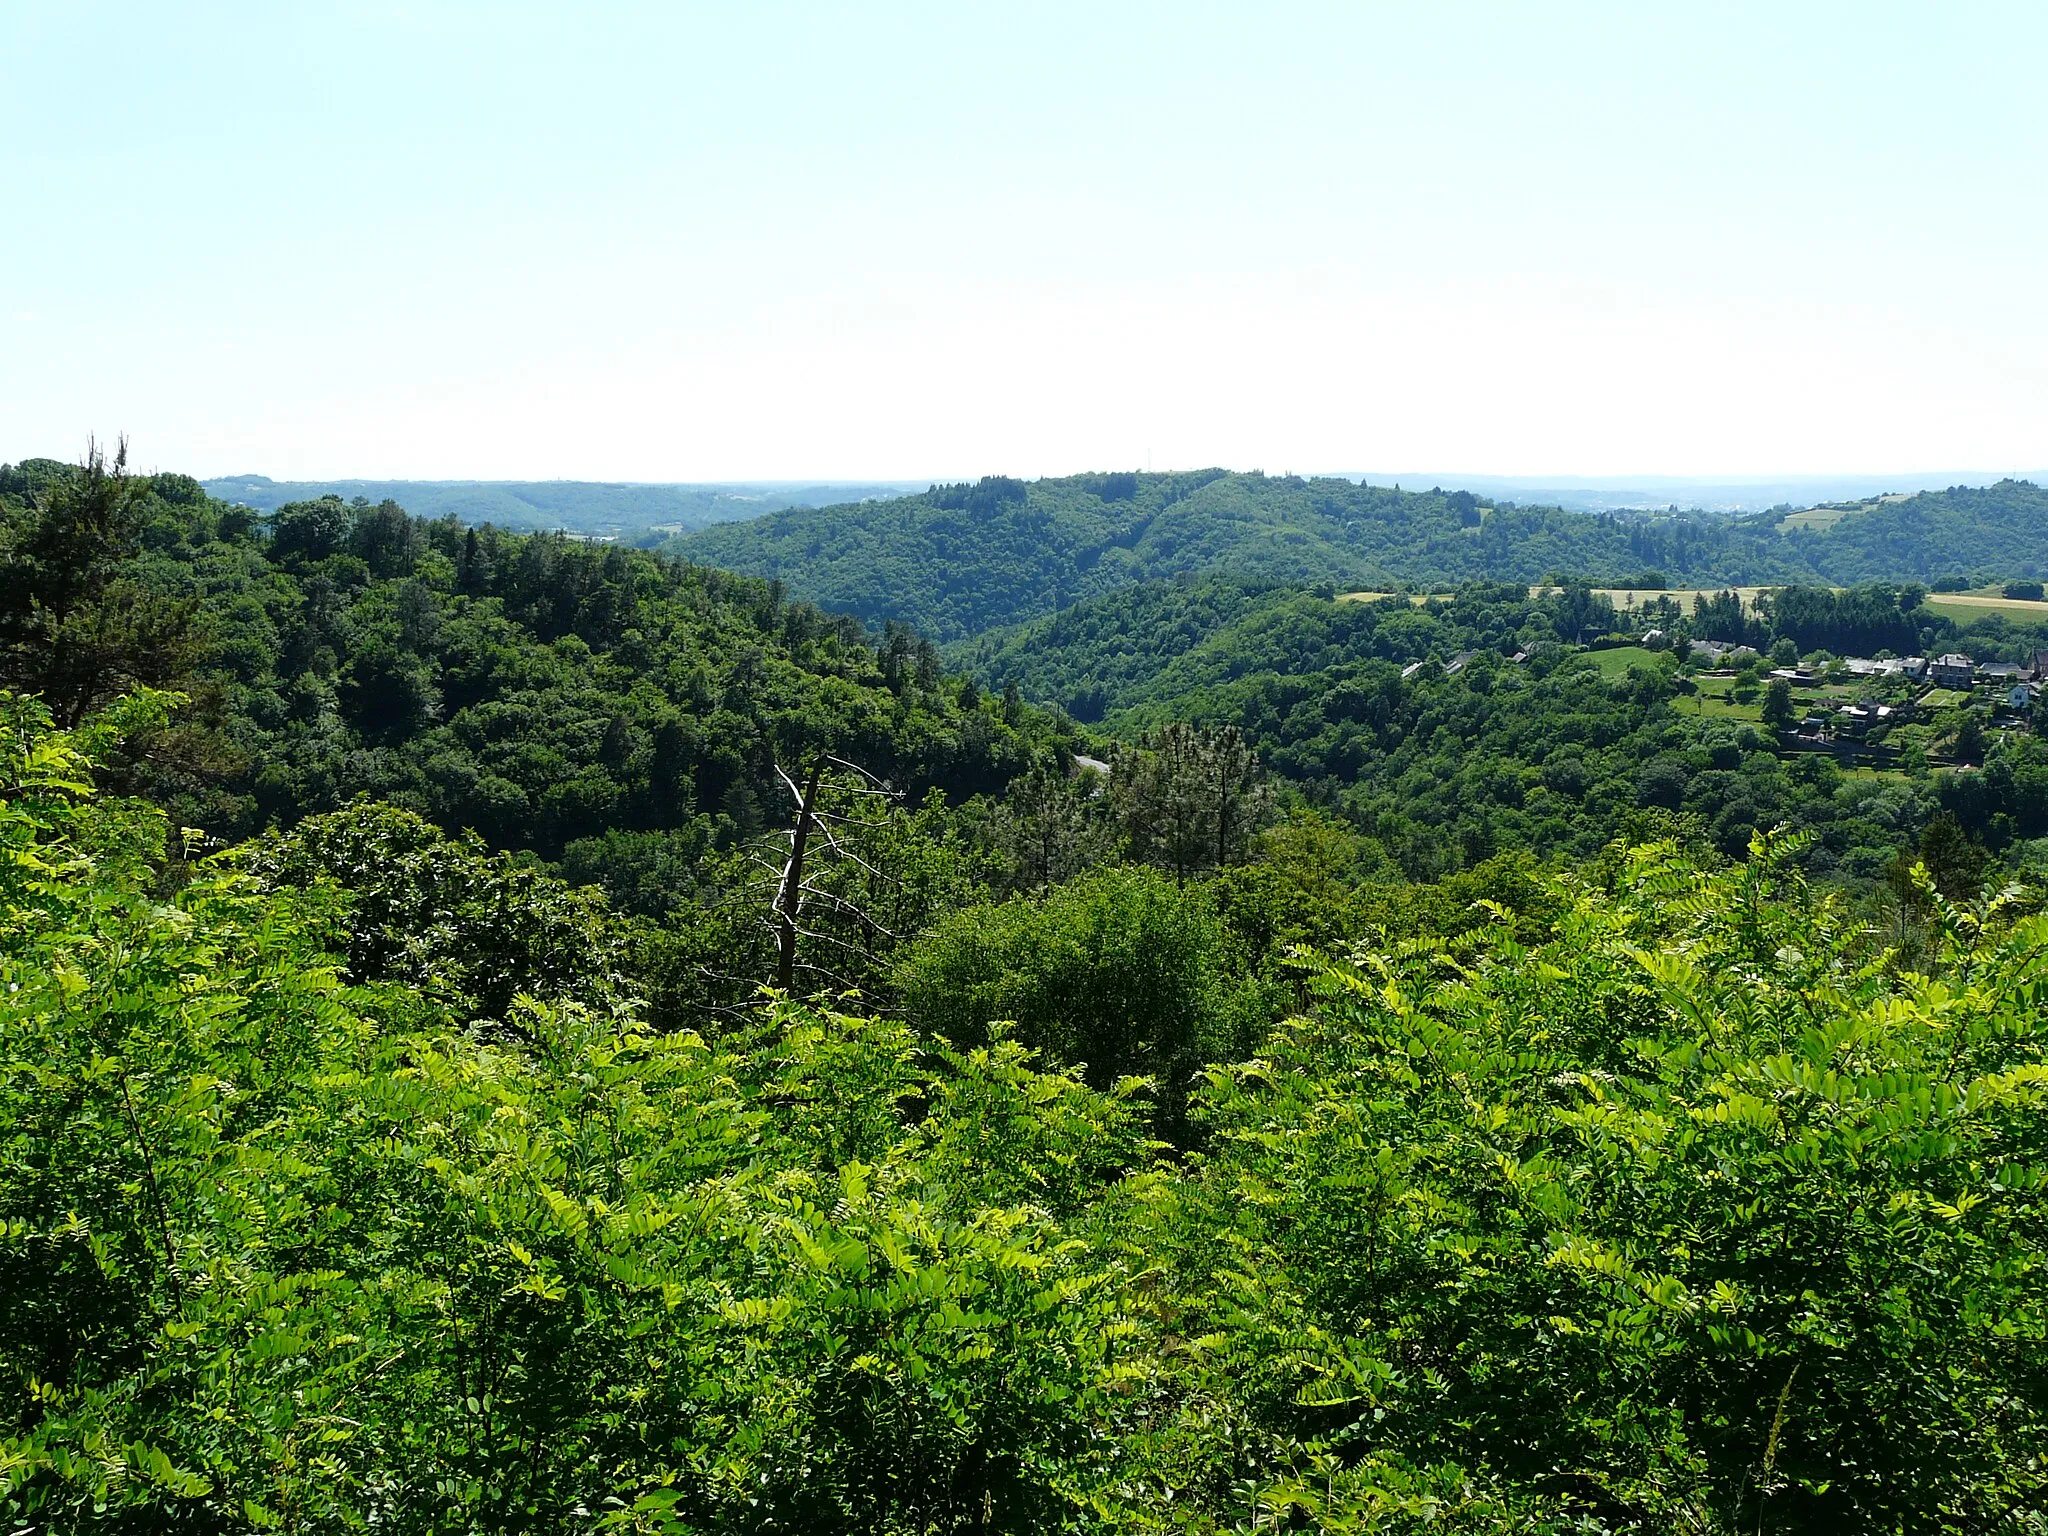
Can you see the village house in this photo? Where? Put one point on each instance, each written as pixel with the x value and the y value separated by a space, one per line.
pixel 1719 652
pixel 1953 670
pixel 1891 666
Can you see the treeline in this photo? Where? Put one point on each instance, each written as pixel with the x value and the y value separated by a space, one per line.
pixel 631 510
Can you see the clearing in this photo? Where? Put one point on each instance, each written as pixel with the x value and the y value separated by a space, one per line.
pixel 1623 659
pixel 1820 519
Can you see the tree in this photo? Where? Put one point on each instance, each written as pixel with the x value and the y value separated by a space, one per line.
pixel 76 627
pixel 1192 797
pixel 306 531
pixel 1954 861
pixel 1054 822
pixel 472 930
pixel 1969 738
pixel 1778 711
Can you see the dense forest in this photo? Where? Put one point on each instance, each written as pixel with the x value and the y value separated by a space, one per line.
pixel 963 559
pixel 534 688
pixel 506 1034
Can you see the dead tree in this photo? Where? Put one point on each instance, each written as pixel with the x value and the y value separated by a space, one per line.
pixel 820 838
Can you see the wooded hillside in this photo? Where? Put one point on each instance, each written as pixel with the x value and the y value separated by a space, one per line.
pixel 963 559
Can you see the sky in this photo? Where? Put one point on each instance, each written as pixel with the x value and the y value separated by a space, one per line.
pixel 797 241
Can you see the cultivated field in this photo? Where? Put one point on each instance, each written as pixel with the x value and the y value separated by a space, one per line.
pixel 1960 606
pixel 1623 598
pixel 1687 598
pixel 1819 519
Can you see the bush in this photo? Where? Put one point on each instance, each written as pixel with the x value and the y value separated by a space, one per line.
pixel 1118 973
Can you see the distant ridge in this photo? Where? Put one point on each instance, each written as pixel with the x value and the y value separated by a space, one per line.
pixel 599 507
pixel 1733 493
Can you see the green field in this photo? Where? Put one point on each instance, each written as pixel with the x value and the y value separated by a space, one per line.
pixel 1716 698
pixel 1623 659
pixel 1965 607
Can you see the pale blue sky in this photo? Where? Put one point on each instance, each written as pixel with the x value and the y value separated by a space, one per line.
pixel 785 240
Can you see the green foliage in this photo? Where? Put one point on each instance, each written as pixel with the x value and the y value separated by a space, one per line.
pixel 1054 822
pixel 1192 798
pixel 443 915
pixel 1858 622
pixel 876 874
pixel 1667 1199
pixel 283 1252
pixel 76 627
pixel 1698 1216
pixel 1778 713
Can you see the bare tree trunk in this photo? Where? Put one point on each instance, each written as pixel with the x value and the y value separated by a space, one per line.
pixel 789 899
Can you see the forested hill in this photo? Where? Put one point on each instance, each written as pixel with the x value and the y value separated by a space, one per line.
pixel 536 689
pixel 1988 531
pixel 962 559
pixel 1169 644
pixel 965 558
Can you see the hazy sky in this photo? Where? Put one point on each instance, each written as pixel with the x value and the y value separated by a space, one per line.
pixel 762 240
